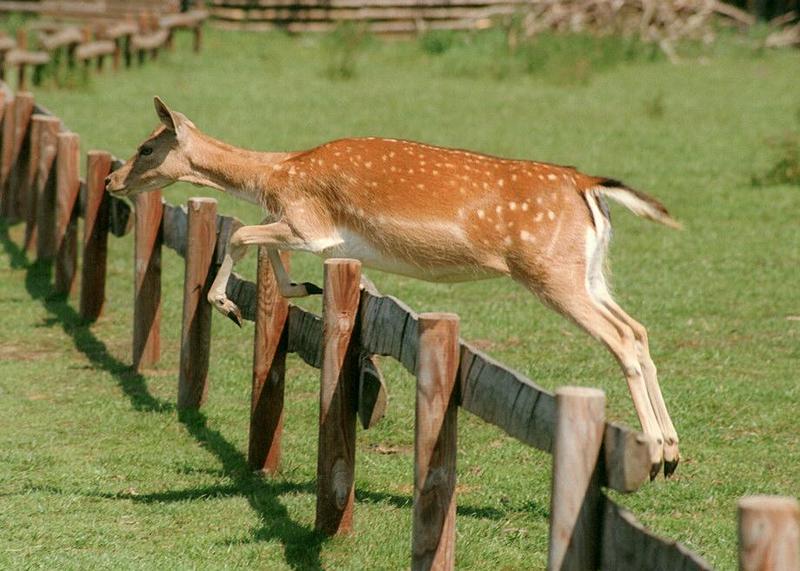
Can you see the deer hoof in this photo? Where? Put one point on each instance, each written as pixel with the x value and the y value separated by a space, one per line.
pixel 235 316
pixel 669 468
pixel 671 458
pixel 227 308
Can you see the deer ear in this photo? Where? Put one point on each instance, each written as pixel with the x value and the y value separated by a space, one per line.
pixel 166 116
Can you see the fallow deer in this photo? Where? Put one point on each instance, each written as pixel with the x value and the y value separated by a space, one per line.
pixel 428 212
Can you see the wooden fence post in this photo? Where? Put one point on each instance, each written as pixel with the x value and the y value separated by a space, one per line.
pixel 769 533
pixel 197 32
pixel 23 111
pixel 337 397
pixel 576 498
pixel 269 369
pixel 29 183
pixel 435 438
pixel 6 152
pixel 148 237
pixel 45 187
pixel 95 236
pixel 196 331
pixel 68 187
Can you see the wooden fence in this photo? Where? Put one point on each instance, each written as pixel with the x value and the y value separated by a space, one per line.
pixel 51 46
pixel 379 16
pixel 39 178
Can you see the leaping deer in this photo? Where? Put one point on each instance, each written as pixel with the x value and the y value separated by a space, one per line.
pixel 427 212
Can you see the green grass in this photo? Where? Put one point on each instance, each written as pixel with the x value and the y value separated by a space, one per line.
pixel 97 470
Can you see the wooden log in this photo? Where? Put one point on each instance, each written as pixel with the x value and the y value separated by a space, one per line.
pixel 45 187
pixel 769 533
pixel 196 330
pixel 95 236
pixel 269 370
pixel 68 187
pixel 576 500
pixel 628 546
pixel 147 282
pixel 337 414
pixel 435 443
pixel 29 183
pixel 23 111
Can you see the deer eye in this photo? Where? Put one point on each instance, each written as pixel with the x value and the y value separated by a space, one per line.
pixel 144 151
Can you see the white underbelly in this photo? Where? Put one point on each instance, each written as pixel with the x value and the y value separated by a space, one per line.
pixel 348 244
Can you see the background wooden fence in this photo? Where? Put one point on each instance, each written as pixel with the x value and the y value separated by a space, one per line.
pixel 41 187
pixel 87 39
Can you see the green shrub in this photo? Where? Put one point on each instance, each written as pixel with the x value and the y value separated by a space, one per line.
pixel 503 51
pixel 786 167
pixel 344 45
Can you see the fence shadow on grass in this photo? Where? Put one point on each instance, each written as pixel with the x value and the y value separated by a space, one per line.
pixel 302 544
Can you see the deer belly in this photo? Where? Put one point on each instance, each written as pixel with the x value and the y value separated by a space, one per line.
pixel 349 244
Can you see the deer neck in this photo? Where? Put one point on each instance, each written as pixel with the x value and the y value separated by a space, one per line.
pixel 239 172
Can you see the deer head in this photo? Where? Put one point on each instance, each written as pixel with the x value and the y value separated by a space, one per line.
pixel 160 160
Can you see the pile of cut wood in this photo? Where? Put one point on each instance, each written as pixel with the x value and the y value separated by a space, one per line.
pixel 665 22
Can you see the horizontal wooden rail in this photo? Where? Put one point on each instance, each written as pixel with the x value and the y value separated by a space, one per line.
pixel 64 37
pixel 628 546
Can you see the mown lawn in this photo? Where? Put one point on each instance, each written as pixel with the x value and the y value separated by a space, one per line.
pixel 97 471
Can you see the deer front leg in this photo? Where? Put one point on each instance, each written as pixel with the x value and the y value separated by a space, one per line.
pixel 276 236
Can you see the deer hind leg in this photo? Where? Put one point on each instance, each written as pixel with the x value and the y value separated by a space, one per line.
pixel 596 247
pixel 566 288
pixel 579 305
pixel 277 236
pixel 671 452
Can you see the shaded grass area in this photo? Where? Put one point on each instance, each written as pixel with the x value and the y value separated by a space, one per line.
pixel 98 470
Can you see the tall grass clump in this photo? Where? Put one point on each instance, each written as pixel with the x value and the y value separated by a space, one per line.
pixel 785 168
pixel 504 52
pixel 343 46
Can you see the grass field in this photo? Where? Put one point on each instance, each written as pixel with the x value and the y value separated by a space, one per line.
pixel 97 471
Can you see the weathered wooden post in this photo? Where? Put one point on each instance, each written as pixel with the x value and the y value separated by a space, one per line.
pixel 23 111
pixel 95 236
pixel 197 31
pixel 68 187
pixel 18 119
pixel 29 183
pixel 435 440
pixel 769 533
pixel 196 331
pixel 338 391
pixel 148 237
pixel 6 154
pixel 45 187
pixel 576 500
pixel 269 369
